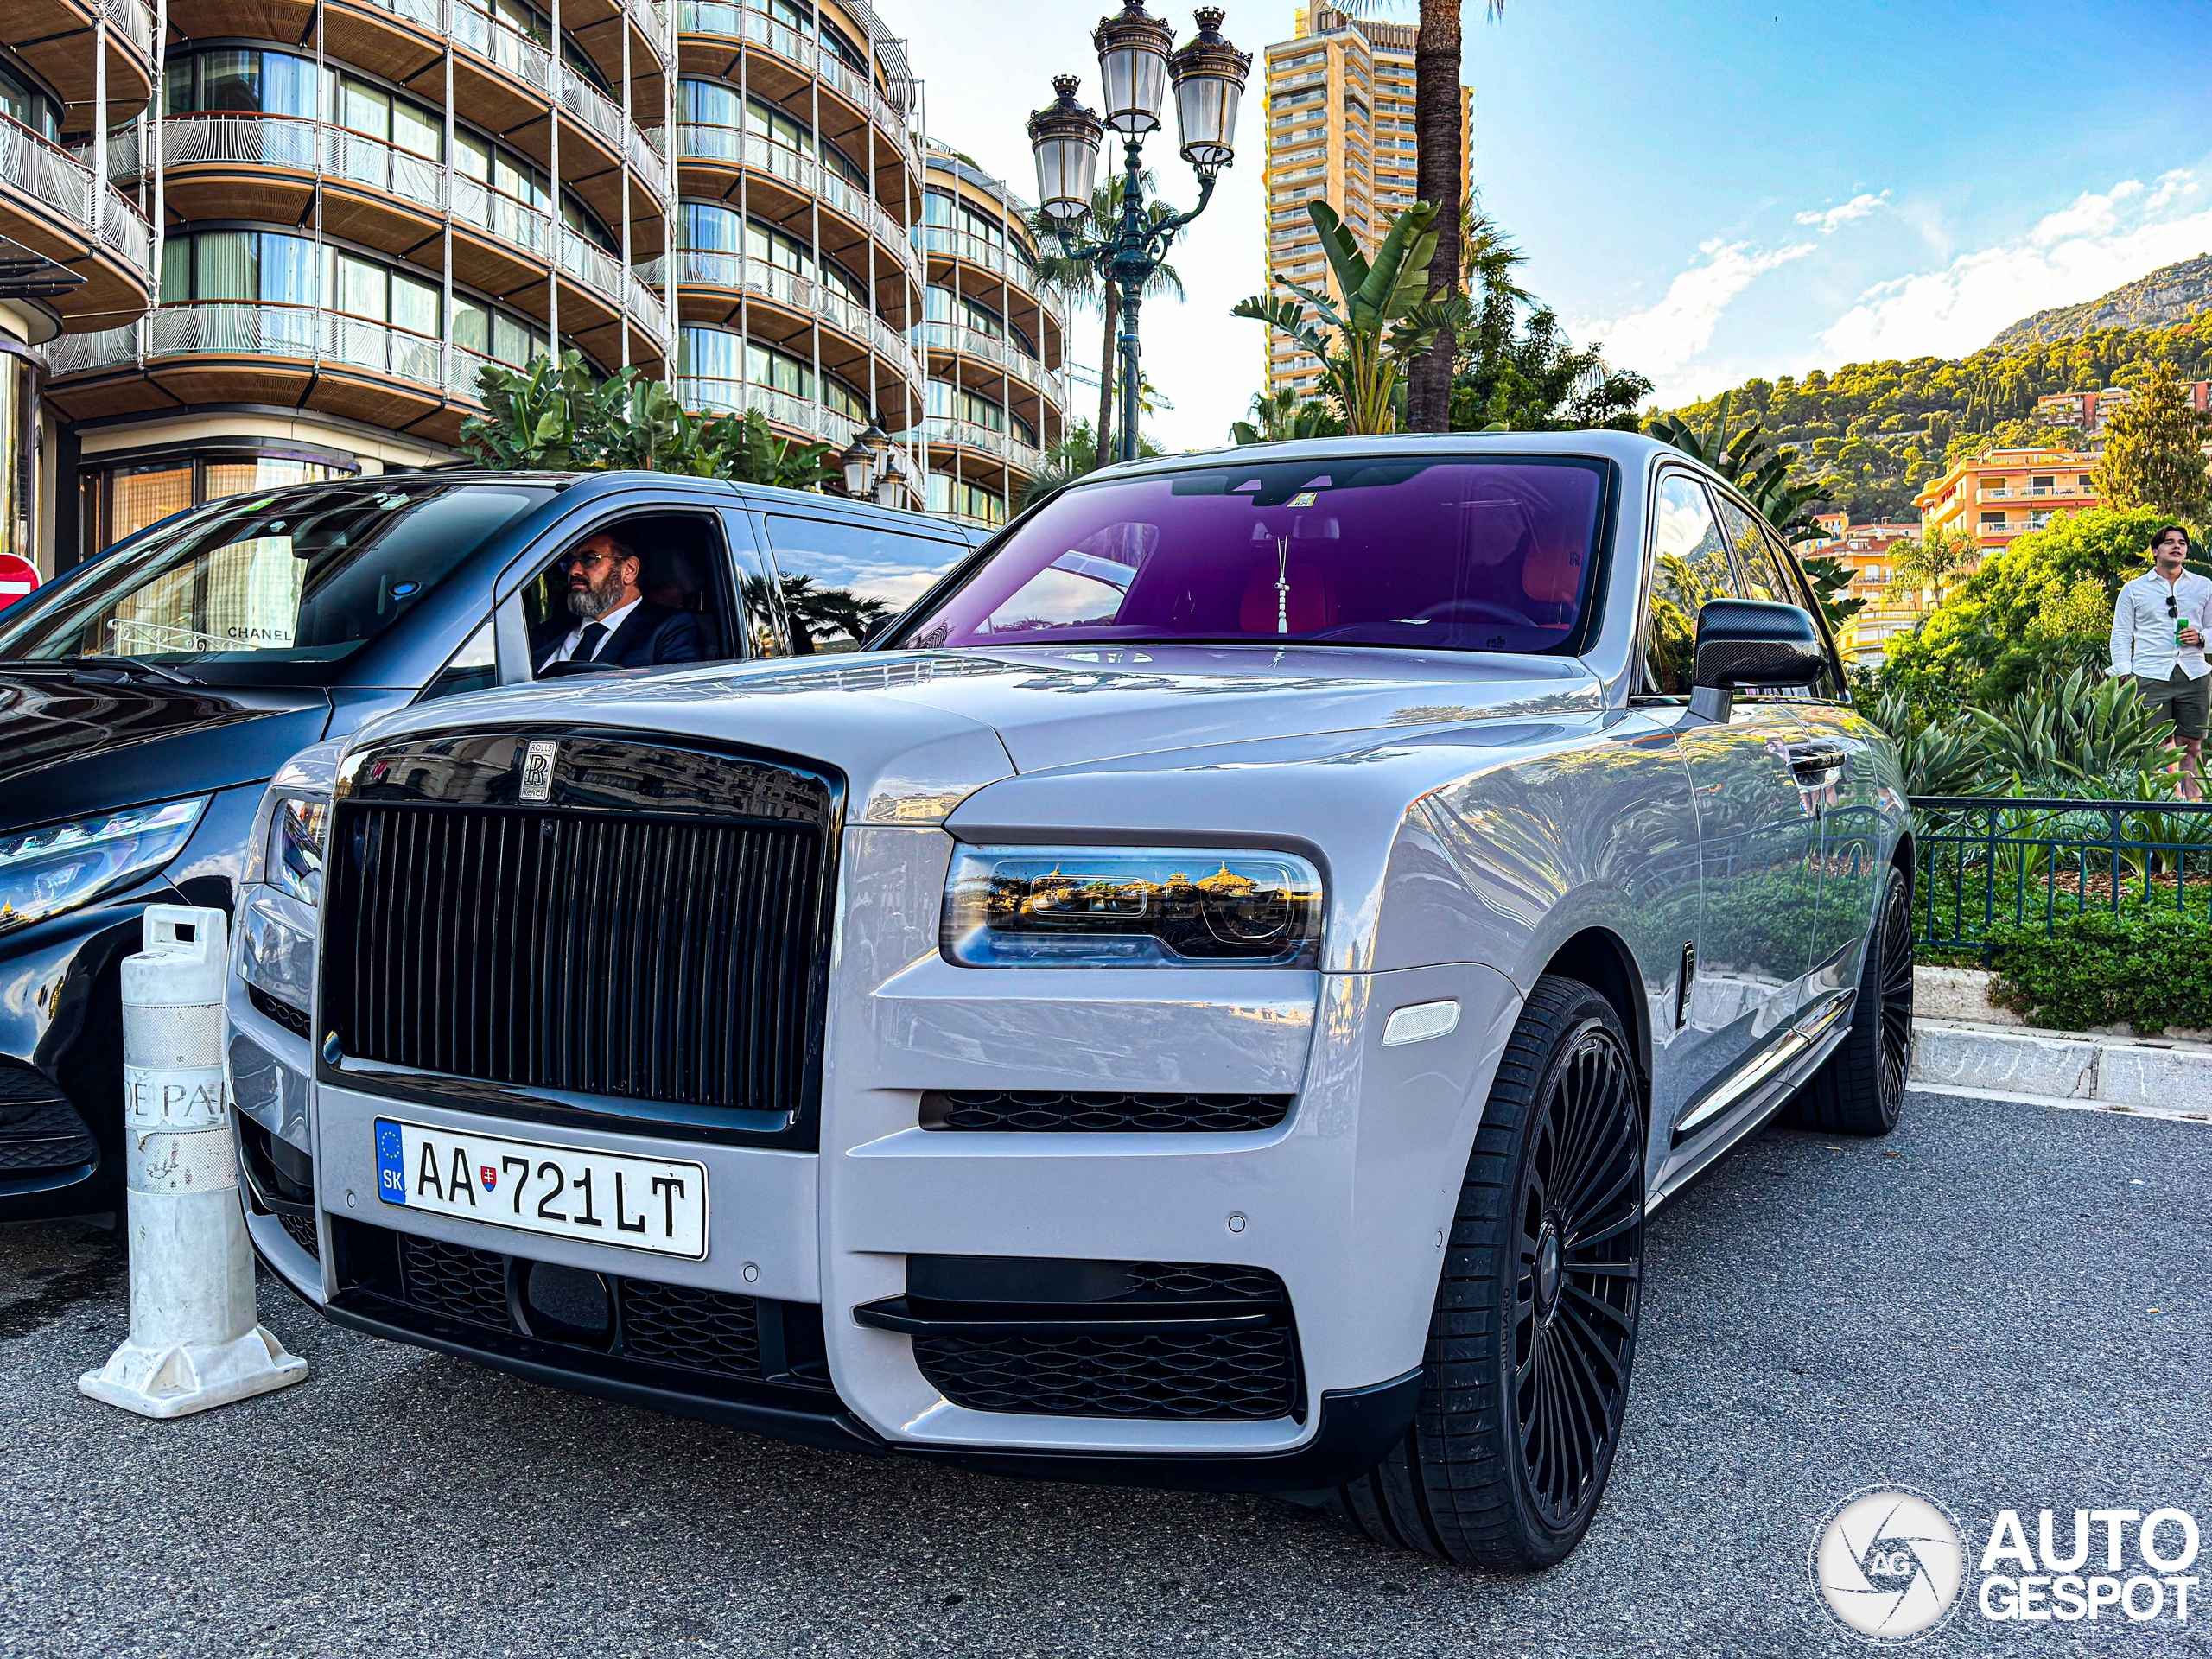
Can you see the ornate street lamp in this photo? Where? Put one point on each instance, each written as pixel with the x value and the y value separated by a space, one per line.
pixel 891 487
pixel 863 459
pixel 1136 67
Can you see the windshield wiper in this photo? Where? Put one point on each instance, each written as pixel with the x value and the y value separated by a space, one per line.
pixel 126 665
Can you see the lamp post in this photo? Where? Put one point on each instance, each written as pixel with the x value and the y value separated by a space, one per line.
pixel 1136 66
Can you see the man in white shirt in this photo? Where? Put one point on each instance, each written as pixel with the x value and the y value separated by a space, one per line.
pixel 2159 627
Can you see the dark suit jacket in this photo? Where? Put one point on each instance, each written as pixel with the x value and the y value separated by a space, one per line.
pixel 650 635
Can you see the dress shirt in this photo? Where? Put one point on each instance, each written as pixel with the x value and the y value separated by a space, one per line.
pixel 610 621
pixel 2143 632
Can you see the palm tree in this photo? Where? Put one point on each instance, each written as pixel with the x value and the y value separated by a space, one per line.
pixel 1381 325
pixel 1080 279
pixel 1441 178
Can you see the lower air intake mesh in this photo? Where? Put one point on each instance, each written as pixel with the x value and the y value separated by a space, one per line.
pixel 1101 1113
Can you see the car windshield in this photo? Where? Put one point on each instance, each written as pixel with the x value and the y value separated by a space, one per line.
pixel 1459 554
pixel 301 576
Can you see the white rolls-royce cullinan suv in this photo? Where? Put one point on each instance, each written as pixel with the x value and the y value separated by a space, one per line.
pixel 1210 998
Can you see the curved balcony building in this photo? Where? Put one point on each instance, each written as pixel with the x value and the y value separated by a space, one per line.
pixel 75 252
pixel 996 338
pixel 799 179
pixel 358 204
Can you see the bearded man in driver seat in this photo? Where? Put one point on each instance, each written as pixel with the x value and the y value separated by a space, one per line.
pixel 615 626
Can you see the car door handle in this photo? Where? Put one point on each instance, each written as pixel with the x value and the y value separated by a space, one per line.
pixel 1816 765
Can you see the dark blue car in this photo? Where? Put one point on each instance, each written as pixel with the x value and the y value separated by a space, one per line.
pixel 146 696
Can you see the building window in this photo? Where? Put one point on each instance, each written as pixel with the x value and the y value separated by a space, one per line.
pixel 949 402
pixel 710 227
pixel 957 496
pixel 716 366
pixel 711 104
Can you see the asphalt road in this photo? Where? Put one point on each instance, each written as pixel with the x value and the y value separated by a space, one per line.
pixel 1964 1307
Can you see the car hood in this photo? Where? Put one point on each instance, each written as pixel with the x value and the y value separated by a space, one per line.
pixel 73 744
pixel 914 732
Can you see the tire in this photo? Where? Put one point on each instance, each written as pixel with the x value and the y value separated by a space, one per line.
pixel 1861 1088
pixel 1505 1473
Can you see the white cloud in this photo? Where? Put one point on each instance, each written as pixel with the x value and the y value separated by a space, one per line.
pixel 2091 246
pixel 1829 220
pixel 1662 339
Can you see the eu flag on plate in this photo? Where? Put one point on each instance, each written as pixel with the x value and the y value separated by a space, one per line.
pixel 391 1163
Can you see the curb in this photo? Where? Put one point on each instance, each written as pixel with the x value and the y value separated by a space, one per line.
pixel 2111 1073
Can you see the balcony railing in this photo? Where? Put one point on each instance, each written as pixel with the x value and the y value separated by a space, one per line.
pixel 725 19
pixel 988 348
pixel 224 329
pixel 135 19
pixel 535 67
pixel 947 243
pixel 971 434
pixel 290 142
pixel 706 268
pixel 706 395
pixel 57 179
pixel 702 142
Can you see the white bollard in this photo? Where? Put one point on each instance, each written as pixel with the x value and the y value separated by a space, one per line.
pixel 195 1337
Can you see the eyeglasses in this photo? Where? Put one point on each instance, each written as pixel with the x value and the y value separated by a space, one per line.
pixel 584 560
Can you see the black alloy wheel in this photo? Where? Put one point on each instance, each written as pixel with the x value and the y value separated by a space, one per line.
pixel 1861 1088
pixel 1580 1267
pixel 1533 1336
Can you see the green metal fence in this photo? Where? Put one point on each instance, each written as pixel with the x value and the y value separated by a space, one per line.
pixel 1985 861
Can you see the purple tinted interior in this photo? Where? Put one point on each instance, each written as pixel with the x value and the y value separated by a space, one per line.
pixel 1461 555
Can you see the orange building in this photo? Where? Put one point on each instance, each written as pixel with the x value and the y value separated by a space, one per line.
pixel 1871 552
pixel 2006 492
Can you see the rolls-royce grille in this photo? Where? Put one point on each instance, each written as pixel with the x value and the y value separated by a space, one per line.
pixel 669 960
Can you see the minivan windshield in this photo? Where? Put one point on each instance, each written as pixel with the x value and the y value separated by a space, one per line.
pixel 300 577
pixel 1459 553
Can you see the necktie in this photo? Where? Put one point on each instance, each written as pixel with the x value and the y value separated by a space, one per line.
pixel 587 643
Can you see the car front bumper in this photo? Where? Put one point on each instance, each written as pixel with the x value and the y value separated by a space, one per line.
pixel 1347 1202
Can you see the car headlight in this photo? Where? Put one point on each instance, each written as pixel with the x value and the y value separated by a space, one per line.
pixel 298 827
pixel 1131 908
pixel 58 867
pixel 276 951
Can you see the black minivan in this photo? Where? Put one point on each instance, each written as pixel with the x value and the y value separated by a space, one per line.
pixel 148 694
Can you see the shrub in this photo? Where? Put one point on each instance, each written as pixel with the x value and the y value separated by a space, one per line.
pixel 2149 968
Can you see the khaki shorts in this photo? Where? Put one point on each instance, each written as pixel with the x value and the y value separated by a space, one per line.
pixel 2182 700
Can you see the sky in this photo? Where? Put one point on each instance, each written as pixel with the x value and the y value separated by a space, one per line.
pixel 1713 190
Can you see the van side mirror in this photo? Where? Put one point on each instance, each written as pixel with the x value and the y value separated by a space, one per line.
pixel 1747 642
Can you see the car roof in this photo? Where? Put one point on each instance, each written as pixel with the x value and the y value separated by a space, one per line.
pixel 1631 449
pixel 587 485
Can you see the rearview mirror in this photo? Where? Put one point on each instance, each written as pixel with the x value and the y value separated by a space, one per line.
pixel 1750 642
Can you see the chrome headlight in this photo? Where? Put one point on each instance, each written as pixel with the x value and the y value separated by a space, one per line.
pixel 1131 908
pixel 298 828
pixel 276 950
pixel 58 867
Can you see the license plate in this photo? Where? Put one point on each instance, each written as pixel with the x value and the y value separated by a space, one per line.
pixel 636 1204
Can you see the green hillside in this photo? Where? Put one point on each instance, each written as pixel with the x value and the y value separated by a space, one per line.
pixel 2170 295
pixel 1872 435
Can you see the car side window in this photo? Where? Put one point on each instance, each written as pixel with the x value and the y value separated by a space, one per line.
pixel 762 619
pixel 843 579
pixel 474 667
pixel 663 575
pixel 1689 565
pixel 1798 590
pixel 1754 558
